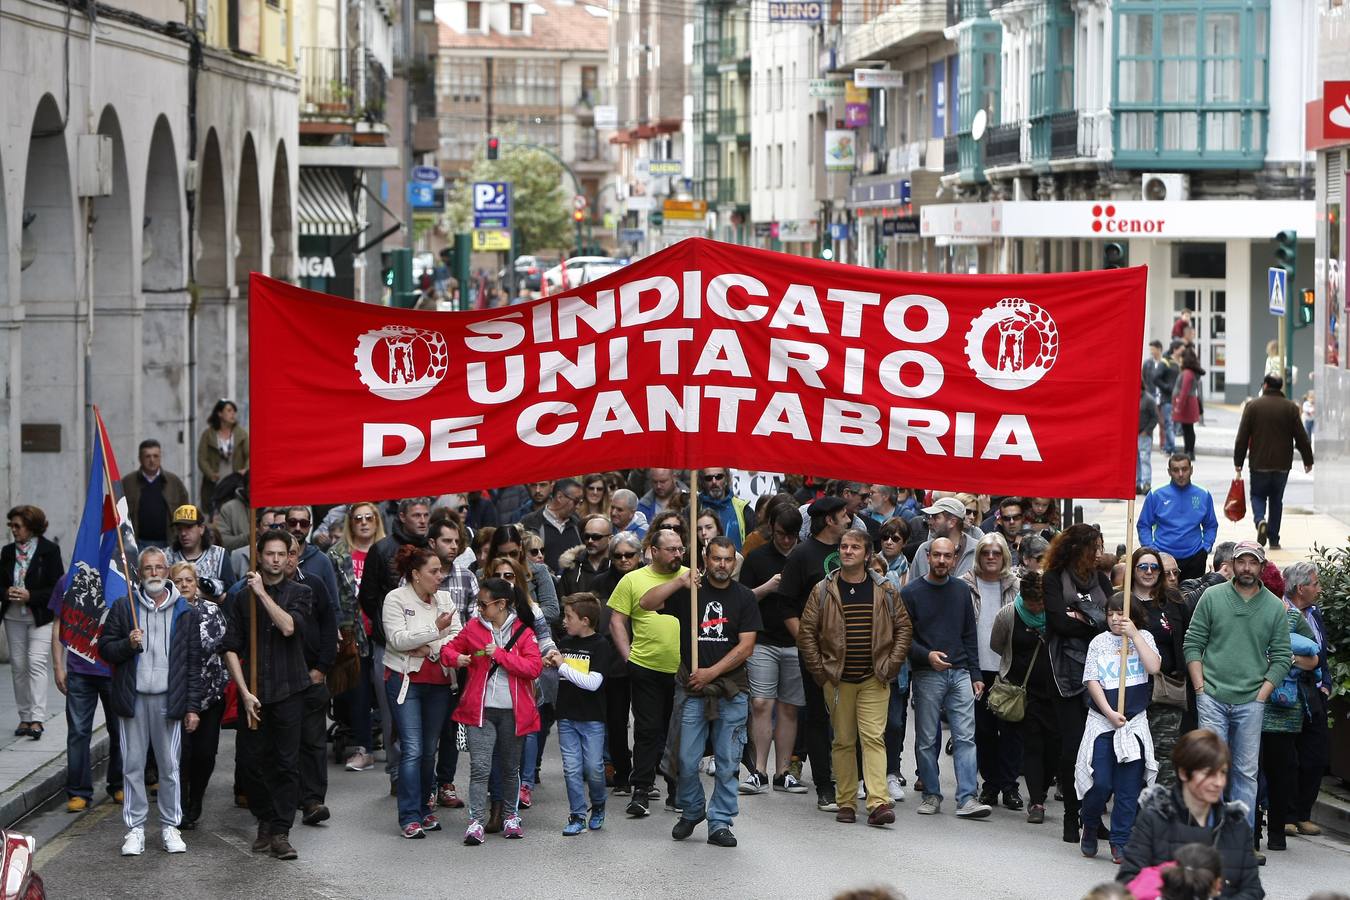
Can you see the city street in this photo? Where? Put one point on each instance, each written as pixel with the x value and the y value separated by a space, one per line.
pixel 787 849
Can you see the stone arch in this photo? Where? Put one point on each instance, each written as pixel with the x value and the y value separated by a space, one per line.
pixel 212 246
pixel 248 218
pixel 112 224
pixel 283 241
pixel 49 208
pixel 161 226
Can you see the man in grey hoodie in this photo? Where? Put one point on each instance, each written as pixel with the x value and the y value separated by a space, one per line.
pixel 156 692
pixel 946 519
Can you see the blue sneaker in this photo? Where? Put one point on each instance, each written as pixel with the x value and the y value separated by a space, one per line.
pixel 597 818
pixel 1088 845
pixel 575 825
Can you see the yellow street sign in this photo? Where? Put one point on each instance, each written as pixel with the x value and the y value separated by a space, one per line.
pixel 489 240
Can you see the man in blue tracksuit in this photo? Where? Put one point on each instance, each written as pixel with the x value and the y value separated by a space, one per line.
pixel 1179 519
pixel 156 693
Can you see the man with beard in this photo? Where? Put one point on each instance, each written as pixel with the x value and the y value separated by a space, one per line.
pixel 1237 653
pixel 737 516
pixel 947 519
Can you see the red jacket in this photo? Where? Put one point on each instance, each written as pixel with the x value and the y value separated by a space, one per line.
pixel 522 663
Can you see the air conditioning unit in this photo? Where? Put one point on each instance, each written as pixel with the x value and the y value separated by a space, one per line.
pixel 1165 186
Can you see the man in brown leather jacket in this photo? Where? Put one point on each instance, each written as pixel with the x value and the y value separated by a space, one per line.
pixel 854 636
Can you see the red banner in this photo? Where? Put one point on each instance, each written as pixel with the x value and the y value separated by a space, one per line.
pixel 706 354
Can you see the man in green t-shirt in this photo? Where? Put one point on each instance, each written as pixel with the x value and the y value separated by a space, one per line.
pixel 653 655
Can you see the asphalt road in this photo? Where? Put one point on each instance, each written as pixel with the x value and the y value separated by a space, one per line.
pixel 787 849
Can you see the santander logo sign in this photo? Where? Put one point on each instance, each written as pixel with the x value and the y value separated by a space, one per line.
pixel 1104 219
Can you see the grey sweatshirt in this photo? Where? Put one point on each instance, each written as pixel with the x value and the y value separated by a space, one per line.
pixel 152 669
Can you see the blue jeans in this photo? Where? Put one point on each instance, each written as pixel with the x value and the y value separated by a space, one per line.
pixel 583 749
pixel 419 718
pixel 1266 487
pixel 1169 435
pixel 897 717
pixel 1143 467
pixel 83 695
pixel 950 692
pixel 1110 776
pixel 728 738
pixel 1239 724
pixel 532 750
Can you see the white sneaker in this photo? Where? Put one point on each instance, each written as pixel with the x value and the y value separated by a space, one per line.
pixel 173 840
pixel 708 766
pixel 134 843
pixel 895 788
pixel 862 791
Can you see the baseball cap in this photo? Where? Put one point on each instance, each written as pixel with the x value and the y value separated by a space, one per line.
pixel 187 514
pixel 949 505
pixel 825 506
pixel 1251 548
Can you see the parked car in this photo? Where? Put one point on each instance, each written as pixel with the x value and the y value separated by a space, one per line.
pixel 529 271
pixel 580 270
pixel 18 879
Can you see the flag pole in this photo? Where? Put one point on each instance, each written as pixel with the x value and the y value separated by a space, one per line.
pixel 693 571
pixel 252 612
pixel 1129 590
pixel 108 488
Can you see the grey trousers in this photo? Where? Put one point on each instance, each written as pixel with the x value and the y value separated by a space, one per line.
pixel 494 739
pixel 148 728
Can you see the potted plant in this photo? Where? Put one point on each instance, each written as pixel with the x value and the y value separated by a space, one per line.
pixel 1333 571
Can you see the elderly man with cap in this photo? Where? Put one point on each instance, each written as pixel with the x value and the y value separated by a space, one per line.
pixel 1237 653
pixel 192 543
pixel 946 519
pixel 806 566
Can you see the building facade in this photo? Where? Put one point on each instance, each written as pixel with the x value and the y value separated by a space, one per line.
pixel 147 166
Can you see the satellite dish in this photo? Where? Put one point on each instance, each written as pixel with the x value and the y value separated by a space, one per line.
pixel 978 124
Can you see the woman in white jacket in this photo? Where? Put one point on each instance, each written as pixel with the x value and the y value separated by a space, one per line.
pixel 418 619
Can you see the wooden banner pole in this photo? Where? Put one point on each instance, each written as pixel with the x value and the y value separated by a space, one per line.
pixel 693 570
pixel 1129 590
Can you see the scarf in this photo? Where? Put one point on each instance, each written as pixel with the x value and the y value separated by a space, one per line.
pixel 23 558
pixel 1031 621
pixel 726 513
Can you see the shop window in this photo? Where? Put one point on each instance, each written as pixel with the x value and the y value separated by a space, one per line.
pixel 1194 260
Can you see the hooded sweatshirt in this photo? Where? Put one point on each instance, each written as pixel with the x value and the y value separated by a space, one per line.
pixel 152 669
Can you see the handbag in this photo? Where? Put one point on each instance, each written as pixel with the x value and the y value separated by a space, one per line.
pixel 1235 507
pixel 1008 701
pixel 1169 690
pixel 346 668
pixel 1286 695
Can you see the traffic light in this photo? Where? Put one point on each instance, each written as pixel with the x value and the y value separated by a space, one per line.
pixel 1115 256
pixel 1286 252
pixel 494 143
pixel 387 268
pixel 826 244
pixel 656 218
pixel 1304 316
pixel 578 216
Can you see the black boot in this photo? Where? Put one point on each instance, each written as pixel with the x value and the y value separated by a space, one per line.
pixel 1072 834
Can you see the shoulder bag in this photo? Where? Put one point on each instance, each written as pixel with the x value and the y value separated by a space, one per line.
pixel 1008 701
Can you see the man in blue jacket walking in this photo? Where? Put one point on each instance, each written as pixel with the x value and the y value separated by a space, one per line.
pixel 156 692
pixel 1178 518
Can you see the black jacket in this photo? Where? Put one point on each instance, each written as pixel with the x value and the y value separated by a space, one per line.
pixel 379 577
pixel 1164 824
pixel 319 627
pixel 185 652
pixel 1067 636
pixel 1192 588
pixel 44 570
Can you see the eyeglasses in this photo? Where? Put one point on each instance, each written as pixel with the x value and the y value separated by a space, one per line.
pixel 1148 567
pixel 536 551
pixel 1010 517
pixel 595 537
pixel 1173 573
pixel 992 552
pixel 629 555
pixel 514 554
pixel 487 604
pixel 509 576
pixel 462 509
pixel 595 487
pixel 972 512
pixel 891 537
pixel 298 523
pixel 364 517
pixel 716 476
pixel 676 549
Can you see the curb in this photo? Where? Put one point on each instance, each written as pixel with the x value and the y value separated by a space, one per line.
pixel 47 781
pixel 1332 813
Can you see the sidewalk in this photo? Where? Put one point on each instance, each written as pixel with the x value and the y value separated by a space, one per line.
pixel 31 772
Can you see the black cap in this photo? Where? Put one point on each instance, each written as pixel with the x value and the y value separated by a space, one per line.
pixel 825 506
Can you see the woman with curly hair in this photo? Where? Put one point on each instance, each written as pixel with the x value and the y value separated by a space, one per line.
pixel 1076 592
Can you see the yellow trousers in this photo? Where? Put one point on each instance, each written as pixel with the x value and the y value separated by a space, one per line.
pixel 858 712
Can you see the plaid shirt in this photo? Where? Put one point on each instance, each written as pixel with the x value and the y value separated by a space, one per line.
pixel 281 660
pixel 462 586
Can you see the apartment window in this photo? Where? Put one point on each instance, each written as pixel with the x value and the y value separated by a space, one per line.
pixel 464 80
pixel 473 15
pixel 778 85
pixel 778 165
pixel 517 17
pixel 1191 82
pixel 590 82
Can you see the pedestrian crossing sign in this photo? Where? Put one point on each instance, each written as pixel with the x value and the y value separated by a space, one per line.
pixel 1277 282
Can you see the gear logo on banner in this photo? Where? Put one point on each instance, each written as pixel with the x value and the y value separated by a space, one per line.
pixel 1023 340
pixel 399 362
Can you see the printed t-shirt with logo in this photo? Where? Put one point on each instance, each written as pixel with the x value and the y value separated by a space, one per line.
pixel 655 643
pixel 592 653
pixel 724 614
pixel 1103 665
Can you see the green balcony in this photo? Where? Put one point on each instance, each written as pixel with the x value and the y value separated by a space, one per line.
pixel 732 124
pixel 733 192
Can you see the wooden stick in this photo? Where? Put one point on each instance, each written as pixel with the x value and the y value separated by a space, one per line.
pixel 693 570
pixel 252 612
pixel 121 545
pixel 1129 589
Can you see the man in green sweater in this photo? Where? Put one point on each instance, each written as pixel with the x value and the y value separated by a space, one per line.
pixel 1237 651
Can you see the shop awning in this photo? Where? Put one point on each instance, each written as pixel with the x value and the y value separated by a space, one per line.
pixel 325 203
